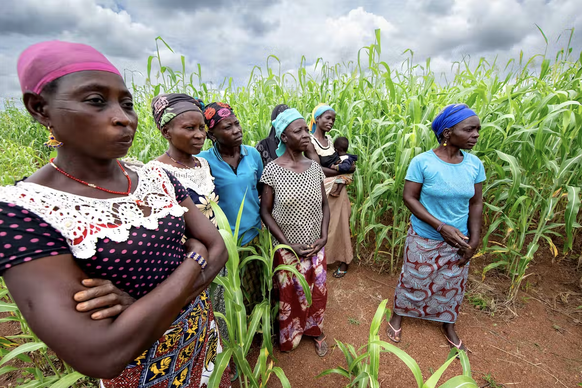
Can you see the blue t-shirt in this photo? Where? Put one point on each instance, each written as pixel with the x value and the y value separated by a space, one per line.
pixel 446 190
pixel 232 185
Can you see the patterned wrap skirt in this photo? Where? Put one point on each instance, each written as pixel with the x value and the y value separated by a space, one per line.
pixel 431 285
pixel 295 317
pixel 184 357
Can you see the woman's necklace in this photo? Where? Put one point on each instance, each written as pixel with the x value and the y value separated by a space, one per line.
pixel 196 163
pixel 95 186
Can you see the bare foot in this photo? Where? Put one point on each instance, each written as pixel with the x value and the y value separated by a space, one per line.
pixel 336 189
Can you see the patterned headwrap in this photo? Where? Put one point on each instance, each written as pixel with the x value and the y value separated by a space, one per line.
pixel 318 111
pixel 44 62
pixel 449 116
pixel 167 106
pixel 281 123
pixel 215 112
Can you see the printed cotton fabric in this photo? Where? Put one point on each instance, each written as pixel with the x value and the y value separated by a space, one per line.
pixel 431 284
pixel 296 318
pixel 183 357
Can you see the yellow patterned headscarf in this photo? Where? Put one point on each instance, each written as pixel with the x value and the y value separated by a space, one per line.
pixel 318 111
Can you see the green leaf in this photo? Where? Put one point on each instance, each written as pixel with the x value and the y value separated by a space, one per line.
pixel 68 380
pixel 434 379
pixel 24 348
pixel 300 278
pixel 460 382
pixel 220 364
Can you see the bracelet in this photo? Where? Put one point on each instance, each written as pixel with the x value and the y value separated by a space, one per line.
pixel 197 258
pixel 440 227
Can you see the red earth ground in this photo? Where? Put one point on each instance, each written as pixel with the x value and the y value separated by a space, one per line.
pixel 539 344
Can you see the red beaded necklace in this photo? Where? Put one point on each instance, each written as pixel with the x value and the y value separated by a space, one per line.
pixel 95 186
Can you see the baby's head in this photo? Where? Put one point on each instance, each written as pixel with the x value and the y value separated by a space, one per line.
pixel 341 145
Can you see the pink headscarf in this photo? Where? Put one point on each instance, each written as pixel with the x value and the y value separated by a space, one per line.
pixel 44 62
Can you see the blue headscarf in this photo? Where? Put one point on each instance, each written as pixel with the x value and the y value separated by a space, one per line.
pixel 451 115
pixel 318 111
pixel 281 123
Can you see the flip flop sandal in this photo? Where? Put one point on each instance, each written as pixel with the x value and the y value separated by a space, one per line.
pixel 460 346
pixel 393 339
pixel 339 273
pixel 318 347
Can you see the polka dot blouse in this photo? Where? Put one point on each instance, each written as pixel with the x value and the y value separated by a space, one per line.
pixel 136 262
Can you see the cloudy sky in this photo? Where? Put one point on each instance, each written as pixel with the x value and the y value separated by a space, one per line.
pixel 229 37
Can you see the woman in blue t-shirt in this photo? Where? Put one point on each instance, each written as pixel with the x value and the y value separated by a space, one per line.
pixel 443 190
pixel 237 169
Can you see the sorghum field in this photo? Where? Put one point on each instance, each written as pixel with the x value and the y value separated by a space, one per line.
pixel 530 144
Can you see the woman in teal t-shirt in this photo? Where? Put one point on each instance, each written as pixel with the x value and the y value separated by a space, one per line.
pixel 237 169
pixel 443 190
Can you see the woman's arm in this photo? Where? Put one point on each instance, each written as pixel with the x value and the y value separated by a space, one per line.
pixel 202 230
pixel 320 243
pixel 450 234
pixel 267 217
pixel 474 224
pixel 312 154
pixel 43 290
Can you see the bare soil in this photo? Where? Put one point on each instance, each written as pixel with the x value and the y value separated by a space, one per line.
pixel 536 342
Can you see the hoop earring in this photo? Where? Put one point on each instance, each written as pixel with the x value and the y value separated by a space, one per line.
pixel 52 141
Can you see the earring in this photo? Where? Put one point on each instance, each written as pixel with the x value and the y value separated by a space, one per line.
pixel 52 141
pixel 445 143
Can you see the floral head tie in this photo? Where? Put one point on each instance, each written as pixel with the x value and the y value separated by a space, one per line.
pixel 165 107
pixel 215 112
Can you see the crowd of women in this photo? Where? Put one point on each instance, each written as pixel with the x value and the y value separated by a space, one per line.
pixel 110 261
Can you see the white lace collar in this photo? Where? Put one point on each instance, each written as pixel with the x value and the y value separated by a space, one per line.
pixel 198 179
pixel 84 220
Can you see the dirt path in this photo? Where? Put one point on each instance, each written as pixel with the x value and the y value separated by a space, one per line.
pixel 539 348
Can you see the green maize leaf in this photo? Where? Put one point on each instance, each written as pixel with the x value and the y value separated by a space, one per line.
pixel 339 371
pixel 354 366
pixel 267 328
pixel 239 216
pixel 300 278
pixel 256 316
pixel 24 348
pixel 68 380
pixel 6 369
pixel 571 215
pixel 244 366
pixel 373 348
pixel 220 217
pixel 460 382
pixel 405 358
pixel 261 365
pixel 220 364
pixel 282 377
pixel 8 307
pixel 434 379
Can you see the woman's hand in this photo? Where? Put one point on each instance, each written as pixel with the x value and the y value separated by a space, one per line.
pixel 103 296
pixel 301 250
pixel 352 168
pixel 467 253
pixel 317 246
pixel 454 237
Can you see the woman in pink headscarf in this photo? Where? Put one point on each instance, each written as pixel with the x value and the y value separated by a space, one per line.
pixel 86 214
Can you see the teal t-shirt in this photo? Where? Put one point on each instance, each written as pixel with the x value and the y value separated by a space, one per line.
pixel 446 190
pixel 231 186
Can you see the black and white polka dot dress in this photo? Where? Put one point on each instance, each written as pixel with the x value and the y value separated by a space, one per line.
pixel 297 205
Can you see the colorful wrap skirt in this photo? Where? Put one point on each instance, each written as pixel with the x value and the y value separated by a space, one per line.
pixel 184 357
pixel 295 317
pixel 431 285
